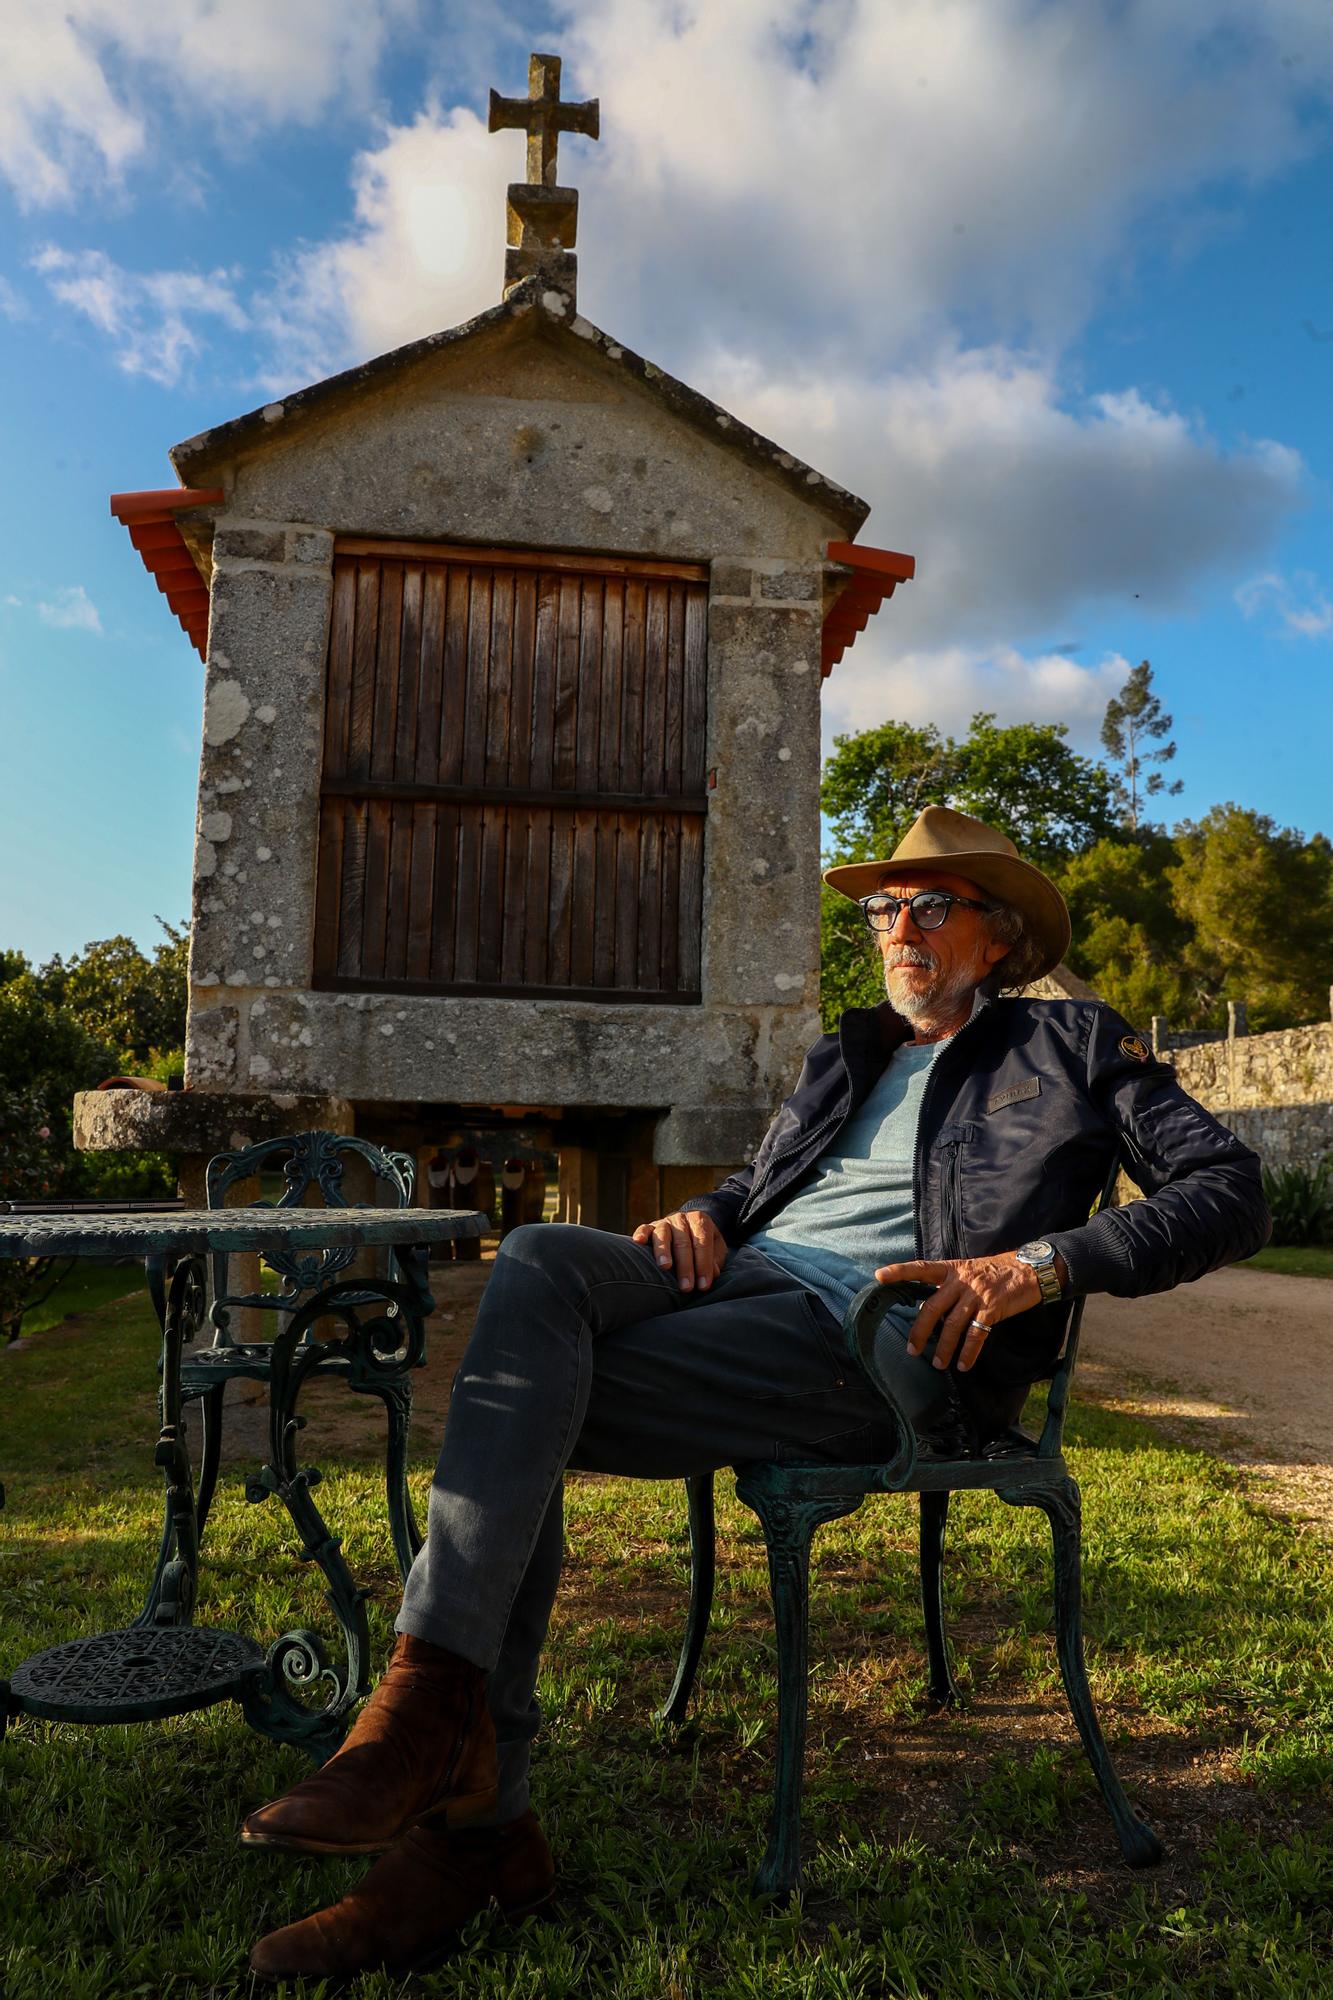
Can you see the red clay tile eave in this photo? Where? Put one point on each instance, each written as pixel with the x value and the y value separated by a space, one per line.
pixel 876 574
pixel 155 533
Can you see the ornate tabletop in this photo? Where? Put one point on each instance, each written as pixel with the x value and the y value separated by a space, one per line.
pixel 196 1230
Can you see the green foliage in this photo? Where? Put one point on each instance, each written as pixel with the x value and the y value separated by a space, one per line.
pixel 1134 718
pixel 133 1004
pixel 66 1026
pixel 849 960
pixel 1024 779
pixel 1300 1201
pixel 28 1171
pixel 1128 941
pixel 1258 900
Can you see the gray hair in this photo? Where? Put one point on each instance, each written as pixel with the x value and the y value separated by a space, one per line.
pixel 1023 962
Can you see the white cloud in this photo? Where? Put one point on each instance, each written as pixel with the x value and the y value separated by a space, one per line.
pixel 1022 504
pixel 13 305
pixel 70 609
pixel 1299 602
pixel 947 686
pixel 149 316
pixel 425 249
pixel 85 87
pixel 859 172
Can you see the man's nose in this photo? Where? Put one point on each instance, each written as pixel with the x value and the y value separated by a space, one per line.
pixel 904 925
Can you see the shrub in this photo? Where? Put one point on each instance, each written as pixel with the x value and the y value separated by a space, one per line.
pixel 1300 1200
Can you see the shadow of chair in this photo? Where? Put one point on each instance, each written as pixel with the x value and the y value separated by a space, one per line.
pixel 791 1501
pixel 310 1162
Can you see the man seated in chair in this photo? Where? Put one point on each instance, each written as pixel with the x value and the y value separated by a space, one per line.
pixel 949 1137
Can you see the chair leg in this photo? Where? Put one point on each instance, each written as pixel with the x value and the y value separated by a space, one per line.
pixel 934 1517
pixel 703 1563
pixel 1063 1507
pixel 406 1535
pixel 210 1453
pixel 789 1525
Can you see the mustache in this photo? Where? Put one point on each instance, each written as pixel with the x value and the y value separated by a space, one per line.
pixel 907 954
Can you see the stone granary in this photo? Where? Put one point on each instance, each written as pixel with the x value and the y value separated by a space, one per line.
pixel 508 800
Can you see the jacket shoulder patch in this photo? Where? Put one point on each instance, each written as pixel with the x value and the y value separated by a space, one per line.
pixel 1135 1048
pixel 1014 1094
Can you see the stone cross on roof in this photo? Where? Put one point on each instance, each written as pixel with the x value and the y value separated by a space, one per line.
pixel 542 217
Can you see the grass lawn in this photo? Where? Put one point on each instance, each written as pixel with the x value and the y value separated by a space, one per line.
pixel 948 1857
pixel 1303 1260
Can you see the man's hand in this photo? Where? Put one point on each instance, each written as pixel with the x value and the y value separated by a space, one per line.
pixel 972 1294
pixel 691 1244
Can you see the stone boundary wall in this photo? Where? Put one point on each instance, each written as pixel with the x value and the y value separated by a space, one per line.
pixel 1274 1091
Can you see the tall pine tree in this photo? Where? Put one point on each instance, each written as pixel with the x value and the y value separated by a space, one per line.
pixel 1134 719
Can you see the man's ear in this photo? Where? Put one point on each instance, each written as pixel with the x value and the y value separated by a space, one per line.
pixel 993 952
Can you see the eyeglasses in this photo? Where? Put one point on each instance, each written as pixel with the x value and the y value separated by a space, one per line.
pixel 929 908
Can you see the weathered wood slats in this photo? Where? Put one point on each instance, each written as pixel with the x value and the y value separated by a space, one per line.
pixel 513 796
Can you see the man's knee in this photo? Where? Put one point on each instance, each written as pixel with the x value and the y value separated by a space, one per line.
pixel 549 1247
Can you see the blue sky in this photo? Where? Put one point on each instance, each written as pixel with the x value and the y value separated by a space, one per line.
pixel 1050 286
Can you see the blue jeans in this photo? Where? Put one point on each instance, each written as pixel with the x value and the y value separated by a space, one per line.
pixel 587 1355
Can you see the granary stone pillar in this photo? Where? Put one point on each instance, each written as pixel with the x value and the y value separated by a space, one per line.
pixel 258 818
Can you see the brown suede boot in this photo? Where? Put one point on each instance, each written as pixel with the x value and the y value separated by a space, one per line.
pixel 423 1747
pixel 408 1911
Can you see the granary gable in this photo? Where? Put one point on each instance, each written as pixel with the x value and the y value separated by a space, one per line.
pixel 528 422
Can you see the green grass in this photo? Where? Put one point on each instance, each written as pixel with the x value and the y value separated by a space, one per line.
pixel 1294 1260
pixel 83 1288
pixel 948 1858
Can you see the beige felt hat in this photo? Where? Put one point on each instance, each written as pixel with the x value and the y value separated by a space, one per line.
pixel 956 844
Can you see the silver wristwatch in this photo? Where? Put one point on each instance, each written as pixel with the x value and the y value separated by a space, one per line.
pixel 1040 1257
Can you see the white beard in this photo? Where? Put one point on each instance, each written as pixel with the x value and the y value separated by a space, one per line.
pixel 936 998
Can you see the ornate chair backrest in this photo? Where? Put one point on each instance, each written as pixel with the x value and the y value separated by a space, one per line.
pixel 862 1322
pixel 308 1160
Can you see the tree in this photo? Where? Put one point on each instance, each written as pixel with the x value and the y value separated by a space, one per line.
pixel 876 783
pixel 133 1004
pixel 1258 900
pixel 1023 778
pixel 1133 719
pixel 1129 941
pixel 62 1029
pixel 1026 780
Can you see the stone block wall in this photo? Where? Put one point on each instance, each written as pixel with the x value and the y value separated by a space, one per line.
pixel 1274 1091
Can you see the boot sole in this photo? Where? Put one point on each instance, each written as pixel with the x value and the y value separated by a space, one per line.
pixel 450 1814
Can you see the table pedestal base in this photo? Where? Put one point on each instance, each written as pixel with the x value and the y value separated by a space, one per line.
pixel 138 1675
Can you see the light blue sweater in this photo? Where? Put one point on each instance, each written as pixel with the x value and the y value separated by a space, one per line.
pixel 854 1210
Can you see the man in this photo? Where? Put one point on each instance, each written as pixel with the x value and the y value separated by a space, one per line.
pixel 948 1137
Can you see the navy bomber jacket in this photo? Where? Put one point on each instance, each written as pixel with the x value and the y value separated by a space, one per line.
pixel 1023 1112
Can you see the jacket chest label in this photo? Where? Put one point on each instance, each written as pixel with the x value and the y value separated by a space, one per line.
pixel 1014 1094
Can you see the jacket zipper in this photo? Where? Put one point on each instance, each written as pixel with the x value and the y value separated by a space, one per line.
pixel 918 1176
pixel 951 1205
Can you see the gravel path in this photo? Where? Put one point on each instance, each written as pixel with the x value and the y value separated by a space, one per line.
pixel 1240 1364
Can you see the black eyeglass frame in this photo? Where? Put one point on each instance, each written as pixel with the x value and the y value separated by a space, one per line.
pixel 900 903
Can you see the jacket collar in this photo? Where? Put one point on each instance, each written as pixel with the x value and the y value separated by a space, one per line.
pixel 871 1034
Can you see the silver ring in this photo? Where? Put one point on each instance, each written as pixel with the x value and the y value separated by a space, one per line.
pixel 980 1326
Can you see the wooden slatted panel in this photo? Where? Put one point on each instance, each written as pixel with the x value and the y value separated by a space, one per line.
pixel 466 700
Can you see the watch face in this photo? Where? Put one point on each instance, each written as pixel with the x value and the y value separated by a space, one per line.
pixel 1038 1250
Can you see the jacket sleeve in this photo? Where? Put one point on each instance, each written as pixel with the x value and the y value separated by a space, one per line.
pixel 1204 1204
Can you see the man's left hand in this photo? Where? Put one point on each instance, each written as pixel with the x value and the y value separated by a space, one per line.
pixel 972 1294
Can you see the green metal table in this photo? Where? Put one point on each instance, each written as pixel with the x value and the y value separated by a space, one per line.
pixel 164 1664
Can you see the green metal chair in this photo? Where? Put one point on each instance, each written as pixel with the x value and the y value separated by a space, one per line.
pixel 308 1161
pixel 792 1501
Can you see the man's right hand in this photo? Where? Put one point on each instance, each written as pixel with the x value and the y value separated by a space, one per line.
pixel 692 1245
